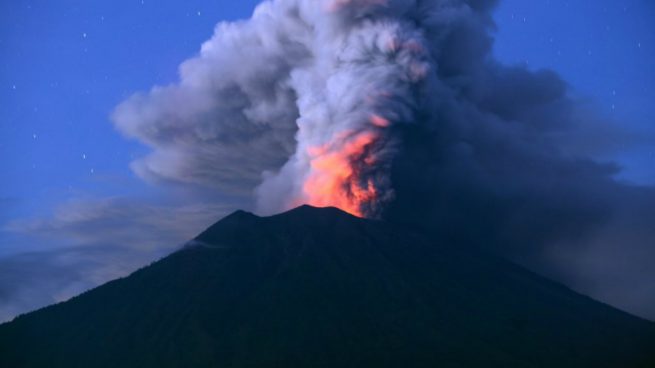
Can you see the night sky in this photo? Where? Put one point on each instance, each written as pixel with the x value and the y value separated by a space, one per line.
pixel 72 210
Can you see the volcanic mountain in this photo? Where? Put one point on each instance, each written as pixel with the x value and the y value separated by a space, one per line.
pixel 317 287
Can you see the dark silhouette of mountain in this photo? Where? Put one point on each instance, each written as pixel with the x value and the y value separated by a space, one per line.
pixel 320 288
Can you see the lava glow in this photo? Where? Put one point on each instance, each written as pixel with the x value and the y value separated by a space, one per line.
pixel 379 121
pixel 335 178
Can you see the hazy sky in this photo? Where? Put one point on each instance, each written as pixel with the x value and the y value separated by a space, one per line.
pixel 67 64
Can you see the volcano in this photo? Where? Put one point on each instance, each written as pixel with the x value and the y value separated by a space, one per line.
pixel 317 287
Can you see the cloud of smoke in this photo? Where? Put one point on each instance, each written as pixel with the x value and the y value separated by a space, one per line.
pixel 266 96
pixel 397 109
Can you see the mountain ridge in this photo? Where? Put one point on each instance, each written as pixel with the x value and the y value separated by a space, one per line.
pixel 320 287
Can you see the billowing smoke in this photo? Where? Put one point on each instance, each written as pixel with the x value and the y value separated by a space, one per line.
pixel 360 80
pixel 397 109
pixel 334 75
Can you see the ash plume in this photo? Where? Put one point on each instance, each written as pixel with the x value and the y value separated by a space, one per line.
pixel 397 109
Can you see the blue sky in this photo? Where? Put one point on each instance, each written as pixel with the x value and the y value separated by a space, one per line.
pixel 67 64
pixel 603 49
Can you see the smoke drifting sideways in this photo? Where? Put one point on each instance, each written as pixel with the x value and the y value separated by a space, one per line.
pixel 397 109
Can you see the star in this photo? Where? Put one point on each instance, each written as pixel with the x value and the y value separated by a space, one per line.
pixel 84 156
pixel 84 35
pixel 34 136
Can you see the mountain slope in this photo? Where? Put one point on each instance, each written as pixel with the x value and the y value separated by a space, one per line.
pixel 320 288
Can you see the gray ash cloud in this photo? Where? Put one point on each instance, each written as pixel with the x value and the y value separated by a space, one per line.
pixel 478 152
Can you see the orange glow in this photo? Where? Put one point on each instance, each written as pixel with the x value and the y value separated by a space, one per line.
pixel 379 121
pixel 334 179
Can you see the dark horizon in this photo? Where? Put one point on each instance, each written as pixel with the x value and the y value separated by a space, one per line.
pixel 525 129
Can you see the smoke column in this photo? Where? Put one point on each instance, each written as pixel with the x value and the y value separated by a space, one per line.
pixel 397 109
pixel 364 65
